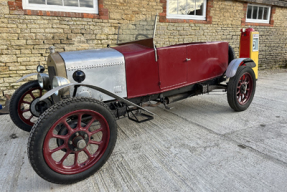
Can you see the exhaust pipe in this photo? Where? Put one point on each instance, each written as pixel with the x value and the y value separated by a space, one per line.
pixel 177 97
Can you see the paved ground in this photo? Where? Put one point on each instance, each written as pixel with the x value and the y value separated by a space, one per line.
pixel 199 145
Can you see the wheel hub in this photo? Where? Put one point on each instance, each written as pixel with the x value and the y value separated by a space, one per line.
pixel 37 107
pixel 243 88
pixel 81 144
pixel 78 141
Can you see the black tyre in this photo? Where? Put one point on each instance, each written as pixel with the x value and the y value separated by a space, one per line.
pixel 241 89
pixel 25 107
pixel 72 140
pixel 231 54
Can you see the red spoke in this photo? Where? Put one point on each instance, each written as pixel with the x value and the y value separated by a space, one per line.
pixel 67 126
pixel 26 110
pixel 76 158
pixel 32 95
pixel 65 157
pixel 41 92
pixel 63 137
pixel 96 142
pixel 90 123
pixel 30 117
pixel 57 149
pixel 80 120
pixel 88 153
pixel 96 131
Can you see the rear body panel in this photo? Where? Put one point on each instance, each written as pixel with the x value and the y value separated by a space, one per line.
pixel 145 76
pixel 208 60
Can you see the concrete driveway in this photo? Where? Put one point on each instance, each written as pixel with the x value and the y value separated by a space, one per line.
pixel 199 145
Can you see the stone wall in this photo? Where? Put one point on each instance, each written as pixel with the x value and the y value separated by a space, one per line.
pixel 24 39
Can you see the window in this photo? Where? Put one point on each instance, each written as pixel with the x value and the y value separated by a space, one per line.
pixel 80 6
pixel 186 9
pixel 258 14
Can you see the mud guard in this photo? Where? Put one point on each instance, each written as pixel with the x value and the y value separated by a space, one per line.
pixel 234 64
pixel 51 92
pixel 26 76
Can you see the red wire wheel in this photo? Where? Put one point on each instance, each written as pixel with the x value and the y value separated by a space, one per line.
pixel 241 89
pixel 25 106
pixel 21 110
pixel 72 140
pixel 244 88
pixel 91 154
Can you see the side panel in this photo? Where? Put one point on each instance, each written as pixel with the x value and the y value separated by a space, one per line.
pixel 208 60
pixel 141 70
pixel 172 66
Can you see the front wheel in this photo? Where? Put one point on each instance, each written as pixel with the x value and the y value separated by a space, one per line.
pixel 241 89
pixel 72 140
pixel 25 107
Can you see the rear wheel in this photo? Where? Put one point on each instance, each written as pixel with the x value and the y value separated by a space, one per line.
pixel 25 107
pixel 241 89
pixel 72 140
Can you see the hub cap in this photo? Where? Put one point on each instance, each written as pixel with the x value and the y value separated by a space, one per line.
pixel 244 88
pixel 38 107
pixel 82 144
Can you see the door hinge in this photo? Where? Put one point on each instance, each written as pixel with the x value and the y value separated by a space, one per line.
pixel 159 83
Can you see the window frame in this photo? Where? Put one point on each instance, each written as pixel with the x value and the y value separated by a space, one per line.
pixel 189 17
pixel 259 20
pixel 94 10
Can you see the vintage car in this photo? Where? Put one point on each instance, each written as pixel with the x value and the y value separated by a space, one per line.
pixel 74 129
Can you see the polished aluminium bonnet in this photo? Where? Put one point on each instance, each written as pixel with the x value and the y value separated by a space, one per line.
pixel 104 68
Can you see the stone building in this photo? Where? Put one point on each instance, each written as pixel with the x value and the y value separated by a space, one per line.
pixel 29 27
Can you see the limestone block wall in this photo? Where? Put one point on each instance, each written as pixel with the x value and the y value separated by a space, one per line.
pixel 24 39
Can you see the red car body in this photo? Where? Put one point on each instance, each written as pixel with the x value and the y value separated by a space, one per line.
pixel 177 66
